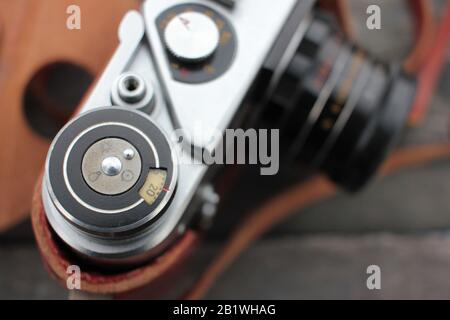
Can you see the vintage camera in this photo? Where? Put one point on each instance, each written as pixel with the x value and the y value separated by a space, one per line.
pixel 116 191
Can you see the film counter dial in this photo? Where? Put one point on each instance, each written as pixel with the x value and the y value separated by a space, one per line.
pixel 108 179
pixel 113 189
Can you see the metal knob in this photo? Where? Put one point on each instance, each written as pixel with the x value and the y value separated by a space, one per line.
pixel 192 37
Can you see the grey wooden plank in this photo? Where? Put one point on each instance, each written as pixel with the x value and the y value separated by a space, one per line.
pixel 310 267
pixel 334 267
pixel 22 275
pixel 413 201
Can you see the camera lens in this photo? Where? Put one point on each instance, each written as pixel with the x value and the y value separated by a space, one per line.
pixel 337 108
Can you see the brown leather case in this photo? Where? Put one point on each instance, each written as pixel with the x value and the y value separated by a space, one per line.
pixel 33 35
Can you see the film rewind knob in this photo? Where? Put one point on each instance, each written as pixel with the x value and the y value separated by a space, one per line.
pixel 192 37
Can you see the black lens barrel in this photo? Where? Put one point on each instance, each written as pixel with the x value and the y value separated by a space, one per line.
pixel 337 108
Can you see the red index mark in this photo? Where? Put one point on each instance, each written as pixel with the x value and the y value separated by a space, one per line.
pixel 185 22
pixel 184 72
pixel 166 190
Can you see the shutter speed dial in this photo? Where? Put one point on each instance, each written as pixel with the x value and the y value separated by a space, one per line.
pixel 200 43
pixel 192 37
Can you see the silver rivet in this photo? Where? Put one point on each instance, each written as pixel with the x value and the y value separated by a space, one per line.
pixel 111 166
pixel 128 154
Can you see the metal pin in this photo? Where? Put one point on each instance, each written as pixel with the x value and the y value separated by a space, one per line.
pixel 111 166
pixel 128 154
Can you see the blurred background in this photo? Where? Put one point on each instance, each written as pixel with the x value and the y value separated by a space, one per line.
pixel 400 223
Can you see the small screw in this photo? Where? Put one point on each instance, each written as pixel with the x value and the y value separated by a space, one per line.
pixel 128 154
